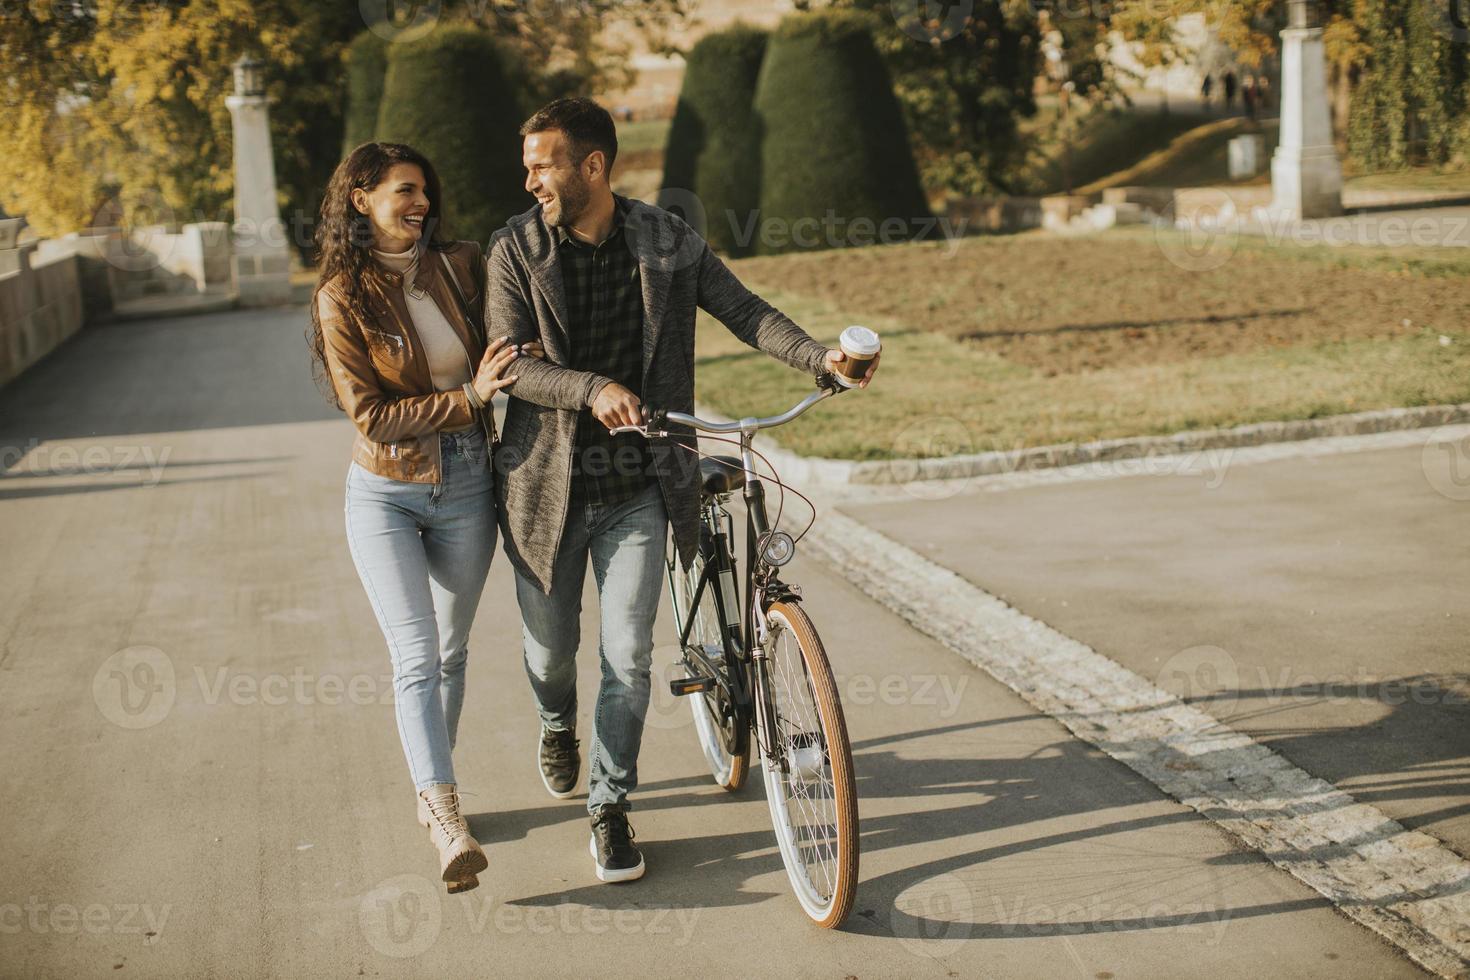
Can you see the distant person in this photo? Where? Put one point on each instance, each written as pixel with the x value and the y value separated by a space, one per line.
pixel 1248 97
pixel 1206 87
pixel 1263 93
pixel 1229 90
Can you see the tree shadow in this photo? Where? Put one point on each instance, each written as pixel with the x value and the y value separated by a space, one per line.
pixel 956 798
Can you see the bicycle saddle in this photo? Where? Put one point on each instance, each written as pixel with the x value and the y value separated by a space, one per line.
pixel 721 474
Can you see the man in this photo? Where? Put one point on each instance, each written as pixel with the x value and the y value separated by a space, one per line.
pixel 610 287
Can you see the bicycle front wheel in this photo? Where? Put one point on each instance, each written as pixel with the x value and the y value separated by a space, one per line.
pixel 808 772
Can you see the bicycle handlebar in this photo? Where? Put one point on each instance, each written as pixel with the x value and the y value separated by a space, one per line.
pixel 656 418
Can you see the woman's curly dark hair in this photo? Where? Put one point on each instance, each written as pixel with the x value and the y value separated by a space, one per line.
pixel 344 237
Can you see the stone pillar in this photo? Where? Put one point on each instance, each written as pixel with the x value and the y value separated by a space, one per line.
pixel 262 269
pixel 1306 178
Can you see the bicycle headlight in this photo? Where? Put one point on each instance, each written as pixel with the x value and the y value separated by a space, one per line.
pixel 778 548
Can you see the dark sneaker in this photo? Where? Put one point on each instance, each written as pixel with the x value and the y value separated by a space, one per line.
pixel 559 762
pixel 617 858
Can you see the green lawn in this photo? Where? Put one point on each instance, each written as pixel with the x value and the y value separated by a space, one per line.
pixel 642 134
pixel 1031 340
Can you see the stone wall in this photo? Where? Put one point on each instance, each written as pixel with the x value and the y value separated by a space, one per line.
pixel 40 307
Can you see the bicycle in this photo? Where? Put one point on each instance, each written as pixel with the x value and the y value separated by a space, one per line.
pixel 757 669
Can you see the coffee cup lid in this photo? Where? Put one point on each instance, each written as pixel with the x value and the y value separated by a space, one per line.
pixel 860 341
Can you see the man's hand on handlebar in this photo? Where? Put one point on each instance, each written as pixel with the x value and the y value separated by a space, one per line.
pixel 615 405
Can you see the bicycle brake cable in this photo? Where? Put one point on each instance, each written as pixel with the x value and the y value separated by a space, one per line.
pixel 775 478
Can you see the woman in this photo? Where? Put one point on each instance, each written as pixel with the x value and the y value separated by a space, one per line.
pixel 397 332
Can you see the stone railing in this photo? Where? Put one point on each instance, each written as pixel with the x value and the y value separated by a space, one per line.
pixel 50 287
pixel 40 305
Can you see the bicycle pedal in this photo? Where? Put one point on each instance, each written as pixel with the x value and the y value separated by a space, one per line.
pixel 681 686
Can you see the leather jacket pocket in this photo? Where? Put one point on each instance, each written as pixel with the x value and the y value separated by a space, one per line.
pixel 386 342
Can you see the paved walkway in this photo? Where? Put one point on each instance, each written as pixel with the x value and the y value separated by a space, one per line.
pixel 202 774
pixel 1316 604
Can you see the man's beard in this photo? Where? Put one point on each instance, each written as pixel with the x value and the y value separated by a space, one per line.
pixel 571 202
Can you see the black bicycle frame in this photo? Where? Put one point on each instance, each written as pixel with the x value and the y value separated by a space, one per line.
pixel 745 660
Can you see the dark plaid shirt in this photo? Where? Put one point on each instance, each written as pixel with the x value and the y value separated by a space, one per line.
pixel 604 294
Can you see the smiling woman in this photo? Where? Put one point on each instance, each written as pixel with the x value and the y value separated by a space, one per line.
pixel 397 333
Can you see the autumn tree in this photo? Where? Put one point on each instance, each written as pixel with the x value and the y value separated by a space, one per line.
pixel 1398 70
pixel 963 73
pixel 126 100
pixel 120 103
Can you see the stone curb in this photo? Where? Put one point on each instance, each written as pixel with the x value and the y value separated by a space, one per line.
pixel 838 472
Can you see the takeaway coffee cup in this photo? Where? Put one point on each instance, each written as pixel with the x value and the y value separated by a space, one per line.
pixel 860 345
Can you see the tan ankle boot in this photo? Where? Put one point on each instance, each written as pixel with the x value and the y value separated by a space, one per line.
pixel 426 820
pixel 460 856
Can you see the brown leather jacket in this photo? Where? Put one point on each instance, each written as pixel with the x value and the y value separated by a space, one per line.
pixel 379 371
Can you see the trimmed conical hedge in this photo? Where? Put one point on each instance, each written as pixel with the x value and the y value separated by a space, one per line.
pixel 714 145
pixel 366 62
pixel 836 164
pixel 449 96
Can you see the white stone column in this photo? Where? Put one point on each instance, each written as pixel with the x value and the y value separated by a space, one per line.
pixel 262 270
pixel 1306 178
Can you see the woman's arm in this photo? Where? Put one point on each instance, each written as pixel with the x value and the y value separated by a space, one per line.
pixel 379 416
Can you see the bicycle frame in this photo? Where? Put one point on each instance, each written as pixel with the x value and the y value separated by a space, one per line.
pixel 812 797
pixel 745 660
pixel 745 657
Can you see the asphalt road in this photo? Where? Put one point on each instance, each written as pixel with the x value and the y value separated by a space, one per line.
pixel 202 776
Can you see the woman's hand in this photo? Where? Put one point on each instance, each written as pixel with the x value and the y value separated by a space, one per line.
pixel 491 376
pixel 533 348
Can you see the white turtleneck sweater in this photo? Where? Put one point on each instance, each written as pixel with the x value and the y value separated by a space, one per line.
pixel 449 362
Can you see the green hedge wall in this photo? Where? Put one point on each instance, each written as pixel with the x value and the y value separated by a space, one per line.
pixel 449 95
pixel 835 150
pixel 714 144
pixel 366 62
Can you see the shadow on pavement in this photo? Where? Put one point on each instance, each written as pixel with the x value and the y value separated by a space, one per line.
pixel 1015 892
pixel 241 368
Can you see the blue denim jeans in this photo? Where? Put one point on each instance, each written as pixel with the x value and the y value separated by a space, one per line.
pixel 422 551
pixel 626 548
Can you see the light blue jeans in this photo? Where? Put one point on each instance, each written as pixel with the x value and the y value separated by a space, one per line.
pixel 422 551
pixel 626 547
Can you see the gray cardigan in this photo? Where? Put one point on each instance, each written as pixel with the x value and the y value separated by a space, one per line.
pixel 524 301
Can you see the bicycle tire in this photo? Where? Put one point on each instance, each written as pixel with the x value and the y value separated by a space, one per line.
pixel 831 818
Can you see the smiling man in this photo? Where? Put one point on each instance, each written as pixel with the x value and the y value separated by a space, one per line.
pixel 610 286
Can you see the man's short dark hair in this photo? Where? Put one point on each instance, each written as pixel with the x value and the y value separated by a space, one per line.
pixel 586 125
